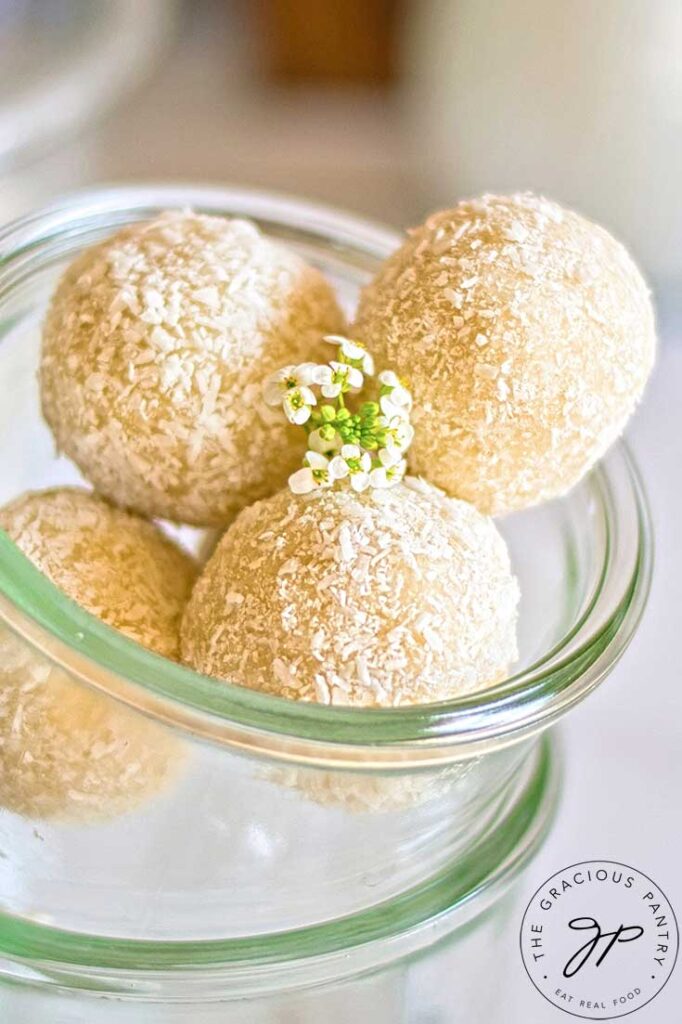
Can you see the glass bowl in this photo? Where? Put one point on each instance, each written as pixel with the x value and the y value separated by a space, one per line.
pixel 279 844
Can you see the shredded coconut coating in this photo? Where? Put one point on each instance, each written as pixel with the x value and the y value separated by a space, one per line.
pixel 358 793
pixel 155 347
pixel 526 335
pixel 66 751
pixel 378 599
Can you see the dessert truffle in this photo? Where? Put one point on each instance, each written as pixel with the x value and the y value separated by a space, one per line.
pixel 526 335
pixel 155 347
pixel 363 793
pixel 374 599
pixel 67 751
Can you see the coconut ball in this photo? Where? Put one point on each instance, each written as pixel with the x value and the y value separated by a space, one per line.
pixel 526 334
pixel 377 599
pixel 362 793
pixel 67 751
pixel 155 348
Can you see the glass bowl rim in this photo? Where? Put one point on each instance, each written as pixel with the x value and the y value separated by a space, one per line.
pixel 265 725
pixel 464 888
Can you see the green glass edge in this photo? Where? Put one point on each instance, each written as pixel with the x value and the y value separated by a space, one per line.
pixel 485 864
pixel 39 599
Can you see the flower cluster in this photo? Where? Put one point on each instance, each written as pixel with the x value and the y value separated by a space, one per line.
pixel 363 443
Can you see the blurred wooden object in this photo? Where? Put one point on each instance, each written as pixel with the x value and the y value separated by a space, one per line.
pixel 330 40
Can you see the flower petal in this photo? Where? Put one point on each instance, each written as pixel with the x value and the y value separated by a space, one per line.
pixel 389 457
pixel 388 408
pixel 359 482
pixel 338 468
pixel 322 374
pixel 352 350
pixel 389 378
pixel 378 477
pixel 403 433
pixel 305 373
pixel 401 397
pixel 316 460
pixel 302 481
pixel 272 392
pixel 297 416
pixel 307 395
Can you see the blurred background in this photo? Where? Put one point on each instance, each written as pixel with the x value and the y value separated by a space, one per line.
pixel 386 107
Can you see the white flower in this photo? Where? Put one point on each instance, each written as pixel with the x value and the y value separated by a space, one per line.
pixel 341 378
pixel 289 378
pixel 353 351
pixel 297 404
pixel 323 376
pixel 389 379
pixel 331 390
pixel 400 433
pixel 353 376
pixel 291 387
pixel 317 443
pixel 355 463
pixel 316 473
pixel 367 365
pixel 396 404
pixel 396 399
pixel 387 476
pixel 306 373
pixel 339 467
pixel 359 482
pixel 390 457
pixel 352 451
pixel 277 384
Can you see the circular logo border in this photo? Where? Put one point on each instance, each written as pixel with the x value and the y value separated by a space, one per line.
pixel 570 867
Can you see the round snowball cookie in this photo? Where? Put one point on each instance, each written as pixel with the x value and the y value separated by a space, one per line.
pixel 361 793
pixel 155 348
pixel 526 334
pixel 66 751
pixel 374 599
